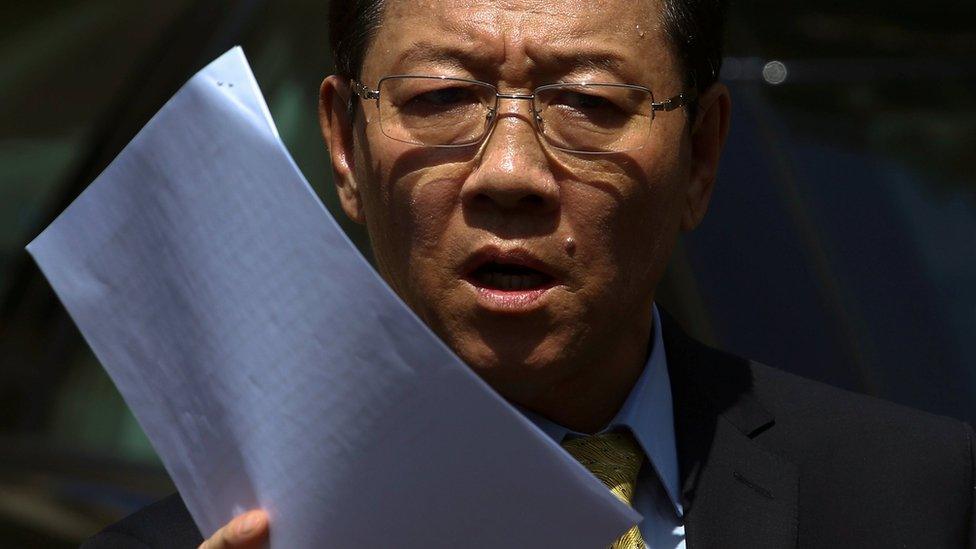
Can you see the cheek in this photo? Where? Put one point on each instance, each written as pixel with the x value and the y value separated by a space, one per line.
pixel 416 191
pixel 413 219
pixel 427 210
pixel 624 214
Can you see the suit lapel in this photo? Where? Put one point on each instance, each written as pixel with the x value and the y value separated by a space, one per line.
pixel 734 492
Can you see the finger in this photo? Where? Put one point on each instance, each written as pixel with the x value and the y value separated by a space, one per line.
pixel 246 531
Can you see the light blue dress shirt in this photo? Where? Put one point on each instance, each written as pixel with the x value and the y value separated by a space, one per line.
pixel 648 414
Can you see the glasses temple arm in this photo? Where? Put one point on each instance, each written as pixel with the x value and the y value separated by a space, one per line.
pixel 362 91
pixel 676 102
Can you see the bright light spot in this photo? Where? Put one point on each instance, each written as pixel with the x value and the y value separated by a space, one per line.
pixel 775 73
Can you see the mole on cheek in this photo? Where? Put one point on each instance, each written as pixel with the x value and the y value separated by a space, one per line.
pixel 570 246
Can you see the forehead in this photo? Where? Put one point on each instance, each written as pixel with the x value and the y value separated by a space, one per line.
pixel 565 17
pixel 520 36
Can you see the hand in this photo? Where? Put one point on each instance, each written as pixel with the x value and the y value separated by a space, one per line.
pixel 245 531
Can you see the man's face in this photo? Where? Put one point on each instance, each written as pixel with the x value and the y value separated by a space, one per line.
pixel 529 262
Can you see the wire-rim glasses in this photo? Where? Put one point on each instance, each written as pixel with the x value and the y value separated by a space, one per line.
pixel 583 117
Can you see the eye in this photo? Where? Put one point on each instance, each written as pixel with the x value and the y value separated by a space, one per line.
pixel 599 107
pixel 445 97
pixel 583 101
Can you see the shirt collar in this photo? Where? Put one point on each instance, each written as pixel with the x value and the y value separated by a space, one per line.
pixel 647 413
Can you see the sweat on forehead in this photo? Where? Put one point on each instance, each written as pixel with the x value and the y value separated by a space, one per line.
pixel 564 17
pixel 583 9
pixel 515 38
pixel 692 29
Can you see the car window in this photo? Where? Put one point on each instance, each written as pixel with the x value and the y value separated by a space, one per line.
pixel 840 241
pixel 64 63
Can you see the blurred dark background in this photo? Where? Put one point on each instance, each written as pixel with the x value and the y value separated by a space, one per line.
pixel 841 243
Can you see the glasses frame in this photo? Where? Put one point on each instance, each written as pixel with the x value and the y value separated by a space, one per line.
pixel 682 99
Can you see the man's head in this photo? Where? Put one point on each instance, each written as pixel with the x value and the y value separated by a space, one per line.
pixel 536 265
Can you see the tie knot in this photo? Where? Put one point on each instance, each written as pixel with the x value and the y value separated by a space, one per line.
pixel 614 458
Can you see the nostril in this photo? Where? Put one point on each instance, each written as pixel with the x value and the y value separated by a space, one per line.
pixel 527 202
pixel 481 200
pixel 533 201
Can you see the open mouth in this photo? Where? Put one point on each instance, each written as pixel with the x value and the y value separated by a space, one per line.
pixel 509 277
pixel 509 282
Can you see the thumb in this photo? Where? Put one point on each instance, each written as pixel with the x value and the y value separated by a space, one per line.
pixel 246 531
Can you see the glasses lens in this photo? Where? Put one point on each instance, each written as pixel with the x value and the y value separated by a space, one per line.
pixel 434 111
pixel 595 117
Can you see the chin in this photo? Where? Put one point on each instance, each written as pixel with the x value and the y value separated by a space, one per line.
pixel 513 357
pixel 522 349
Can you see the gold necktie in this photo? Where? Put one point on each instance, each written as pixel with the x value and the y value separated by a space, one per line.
pixel 615 459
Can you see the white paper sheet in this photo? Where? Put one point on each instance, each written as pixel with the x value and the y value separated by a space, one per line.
pixel 271 367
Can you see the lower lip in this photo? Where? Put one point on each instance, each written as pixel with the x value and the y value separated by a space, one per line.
pixel 513 302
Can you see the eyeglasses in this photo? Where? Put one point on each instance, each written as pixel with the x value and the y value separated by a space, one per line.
pixel 585 118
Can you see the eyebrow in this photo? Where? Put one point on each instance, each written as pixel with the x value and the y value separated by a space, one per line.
pixel 428 52
pixel 552 63
pixel 597 60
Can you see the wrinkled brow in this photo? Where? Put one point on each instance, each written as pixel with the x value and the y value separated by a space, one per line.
pixel 440 54
pixel 601 61
pixel 549 62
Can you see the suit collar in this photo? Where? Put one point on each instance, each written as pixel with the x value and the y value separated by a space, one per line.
pixel 735 493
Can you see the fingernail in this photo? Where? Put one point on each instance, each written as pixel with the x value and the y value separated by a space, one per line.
pixel 249 524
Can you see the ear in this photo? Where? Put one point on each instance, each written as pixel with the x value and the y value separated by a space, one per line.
pixel 337 130
pixel 708 136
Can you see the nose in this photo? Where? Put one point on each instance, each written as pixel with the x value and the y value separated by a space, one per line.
pixel 514 175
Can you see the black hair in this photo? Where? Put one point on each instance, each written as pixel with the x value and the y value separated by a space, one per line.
pixel 352 25
pixel 694 29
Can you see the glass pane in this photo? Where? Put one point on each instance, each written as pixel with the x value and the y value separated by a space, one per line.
pixel 434 111
pixel 594 118
pixel 844 220
pixel 64 63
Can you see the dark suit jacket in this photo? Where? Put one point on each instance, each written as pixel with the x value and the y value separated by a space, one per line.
pixel 767 459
